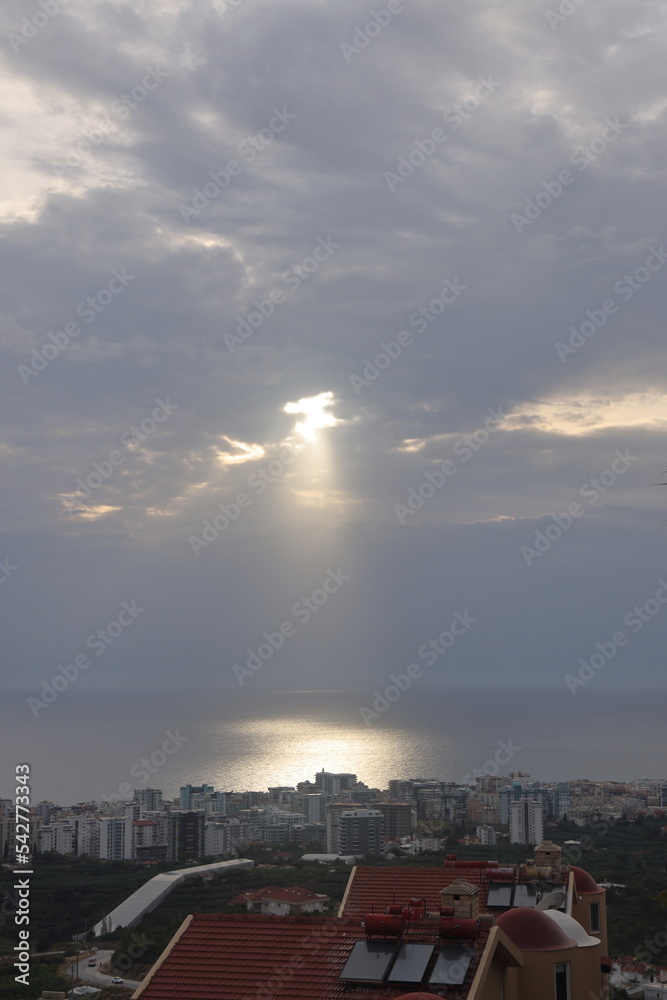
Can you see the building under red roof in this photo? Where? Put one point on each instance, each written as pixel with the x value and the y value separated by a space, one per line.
pixel 446 921
pixel 281 901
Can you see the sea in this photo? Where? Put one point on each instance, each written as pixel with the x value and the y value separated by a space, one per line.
pixel 93 745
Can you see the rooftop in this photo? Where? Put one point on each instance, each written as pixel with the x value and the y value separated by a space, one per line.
pixel 238 956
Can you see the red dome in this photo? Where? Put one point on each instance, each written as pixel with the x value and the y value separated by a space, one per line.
pixel 532 930
pixel 583 882
pixel 415 996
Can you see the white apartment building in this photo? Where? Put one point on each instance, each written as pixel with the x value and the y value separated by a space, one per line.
pixel 149 798
pixel 115 838
pixel 88 836
pixel 59 837
pixel 526 822
pixel 224 836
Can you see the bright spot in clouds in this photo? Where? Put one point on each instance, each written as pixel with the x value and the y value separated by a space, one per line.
pixel 586 415
pixel 315 418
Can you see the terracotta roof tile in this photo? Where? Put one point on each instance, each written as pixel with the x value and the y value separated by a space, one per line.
pixel 251 957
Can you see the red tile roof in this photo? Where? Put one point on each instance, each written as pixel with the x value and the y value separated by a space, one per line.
pixel 250 957
pixel 372 889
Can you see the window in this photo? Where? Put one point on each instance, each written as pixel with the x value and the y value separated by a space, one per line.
pixel 562 981
pixel 595 918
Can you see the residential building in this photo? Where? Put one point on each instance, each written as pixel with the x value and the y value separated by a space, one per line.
pixel 115 838
pixel 561 800
pixel 326 781
pixel 526 823
pixel 185 836
pixel 314 806
pixel 360 831
pixel 333 812
pixel 225 836
pixel 486 835
pixel 400 819
pixel 149 798
pixel 59 837
pixel 188 791
pixel 283 902
pixel 88 836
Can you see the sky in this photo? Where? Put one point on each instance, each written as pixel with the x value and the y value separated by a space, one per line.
pixel 335 317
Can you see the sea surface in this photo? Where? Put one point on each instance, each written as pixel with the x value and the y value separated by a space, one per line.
pixel 86 745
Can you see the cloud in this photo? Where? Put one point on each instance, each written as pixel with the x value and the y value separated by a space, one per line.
pixel 312 135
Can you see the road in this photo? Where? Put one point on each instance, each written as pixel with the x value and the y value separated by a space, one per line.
pixel 94 977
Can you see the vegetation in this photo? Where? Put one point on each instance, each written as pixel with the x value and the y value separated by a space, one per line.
pixel 42 977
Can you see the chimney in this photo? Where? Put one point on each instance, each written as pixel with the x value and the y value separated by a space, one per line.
pixel 463 897
pixel 548 855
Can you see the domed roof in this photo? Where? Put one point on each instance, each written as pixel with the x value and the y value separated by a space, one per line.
pixel 572 928
pixel 584 882
pixel 415 996
pixel 532 930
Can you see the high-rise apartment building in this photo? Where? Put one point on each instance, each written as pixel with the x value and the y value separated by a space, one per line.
pixel 526 822
pixel 115 838
pixel 188 791
pixel 400 819
pixel 326 781
pixel 360 831
pixel 149 798
pixel 185 836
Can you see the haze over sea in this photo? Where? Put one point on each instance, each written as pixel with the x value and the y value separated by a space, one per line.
pixel 84 745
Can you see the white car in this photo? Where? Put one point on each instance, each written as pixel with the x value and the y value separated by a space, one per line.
pixel 117 981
